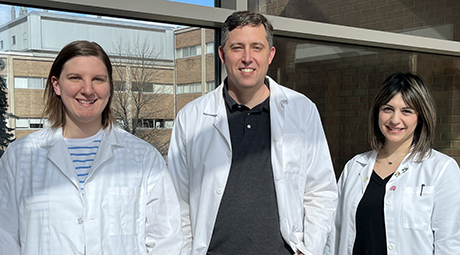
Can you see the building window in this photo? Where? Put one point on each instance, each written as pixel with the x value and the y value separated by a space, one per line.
pixel 119 86
pixel 146 87
pixel 1 45
pixel 189 88
pixel 193 51
pixel 210 86
pixel 31 123
pixel 210 48
pixel 162 123
pixel 163 88
pixel 155 123
pixel 188 51
pixel 146 123
pixel 13 40
pixel 29 82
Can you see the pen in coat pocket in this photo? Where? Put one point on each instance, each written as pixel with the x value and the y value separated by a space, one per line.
pixel 421 189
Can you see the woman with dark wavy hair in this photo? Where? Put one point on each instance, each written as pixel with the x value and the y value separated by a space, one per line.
pixel 84 186
pixel 402 197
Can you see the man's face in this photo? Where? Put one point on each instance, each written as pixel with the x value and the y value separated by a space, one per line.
pixel 246 56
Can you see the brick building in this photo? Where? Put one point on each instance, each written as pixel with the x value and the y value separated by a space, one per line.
pixel 29 57
pixel 342 79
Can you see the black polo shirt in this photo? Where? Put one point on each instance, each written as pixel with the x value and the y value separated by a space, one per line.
pixel 248 221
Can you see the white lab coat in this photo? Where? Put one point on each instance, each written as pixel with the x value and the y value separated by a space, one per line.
pixel 129 207
pixel 200 156
pixel 418 220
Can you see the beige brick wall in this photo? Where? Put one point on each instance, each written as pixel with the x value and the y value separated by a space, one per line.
pixel 183 99
pixel 193 37
pixel 188 39
pixel 29 103
pixel 189 70
pixel 31 68
pixel 158 106
pixel 21 133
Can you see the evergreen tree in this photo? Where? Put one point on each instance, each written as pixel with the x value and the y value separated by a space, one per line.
pixel 5 132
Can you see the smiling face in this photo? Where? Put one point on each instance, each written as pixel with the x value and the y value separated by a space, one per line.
pixel 246 56
pixel 84 88
pixel 397 122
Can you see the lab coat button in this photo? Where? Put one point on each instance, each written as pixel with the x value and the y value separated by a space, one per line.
pixel 219 191
pixel 80 221
pixel 391 247
pixel 229 153
pixel 388 202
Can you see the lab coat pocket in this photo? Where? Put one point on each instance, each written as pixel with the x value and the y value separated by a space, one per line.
pixel 124 210
pixel 293 153
pixel 417 207
pixel 293 167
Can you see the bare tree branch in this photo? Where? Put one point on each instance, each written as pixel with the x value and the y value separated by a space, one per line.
pixel 136 68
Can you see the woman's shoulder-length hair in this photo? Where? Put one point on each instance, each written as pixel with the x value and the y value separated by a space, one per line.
pixel 416 95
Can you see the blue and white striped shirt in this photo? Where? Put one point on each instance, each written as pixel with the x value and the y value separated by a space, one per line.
pixel 83 151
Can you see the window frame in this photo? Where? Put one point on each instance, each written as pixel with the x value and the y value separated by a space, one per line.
pixel 213 17
pixel 28 80
pixel 26 123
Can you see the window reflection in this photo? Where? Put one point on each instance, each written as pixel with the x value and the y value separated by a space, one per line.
pixel 434 19
pixel 342 80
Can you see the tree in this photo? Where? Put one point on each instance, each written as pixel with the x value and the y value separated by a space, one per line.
pixel 138 104
pixel 5 132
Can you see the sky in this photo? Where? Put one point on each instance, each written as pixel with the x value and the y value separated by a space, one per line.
pixel 5 10
pixel 198 2
pixel 5 13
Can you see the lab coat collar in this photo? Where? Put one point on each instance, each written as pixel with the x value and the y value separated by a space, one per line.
pixel 216 107
pixel 58 153
pixel 110 139
pixel 277 94
pixel 367 161
pixel 278 100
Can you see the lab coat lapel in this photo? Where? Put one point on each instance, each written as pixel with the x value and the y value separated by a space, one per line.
pixel 365 174
pixel 105 151
pixel 216 108
pixel 59 155
pixel 278 101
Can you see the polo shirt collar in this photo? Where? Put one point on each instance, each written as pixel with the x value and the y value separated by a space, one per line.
pixel 232 104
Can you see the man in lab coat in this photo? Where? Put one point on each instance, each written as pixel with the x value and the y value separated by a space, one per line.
pixel 250 160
